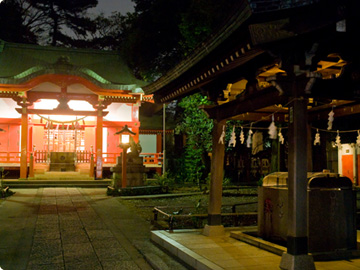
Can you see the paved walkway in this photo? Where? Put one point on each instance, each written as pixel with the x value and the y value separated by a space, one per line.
pixel 226 253
pixel 74 228
pixel 83 229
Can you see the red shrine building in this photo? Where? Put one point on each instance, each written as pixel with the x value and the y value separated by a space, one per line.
pixel 60 109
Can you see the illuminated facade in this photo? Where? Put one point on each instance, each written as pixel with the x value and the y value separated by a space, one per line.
pixel 57 100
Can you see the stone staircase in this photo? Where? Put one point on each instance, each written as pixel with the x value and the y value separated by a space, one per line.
pixel 58 179
pixel 62 176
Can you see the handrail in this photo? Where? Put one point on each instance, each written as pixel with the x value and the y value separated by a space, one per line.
pixel 84 156
pixel 170 217
pixel 10 157
pixel 152 158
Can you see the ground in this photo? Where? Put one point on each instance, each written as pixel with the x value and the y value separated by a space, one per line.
pixel 197 203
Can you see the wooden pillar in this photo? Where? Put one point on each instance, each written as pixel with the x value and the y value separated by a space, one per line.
pixel 159 142
pixel 91 171
pixel 214 226
pixel 24 138
pixel 123 168
pixel 297 256
pixel 99 142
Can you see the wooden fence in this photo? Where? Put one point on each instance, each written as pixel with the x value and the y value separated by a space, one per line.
pixel 150 159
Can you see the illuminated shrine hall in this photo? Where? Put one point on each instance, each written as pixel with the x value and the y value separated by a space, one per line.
pixel 68 101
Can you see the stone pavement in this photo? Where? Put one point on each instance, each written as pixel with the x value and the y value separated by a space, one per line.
pixel 226 253
pixel 75 228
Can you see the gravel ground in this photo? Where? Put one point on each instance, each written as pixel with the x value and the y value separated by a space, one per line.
pixel 195 204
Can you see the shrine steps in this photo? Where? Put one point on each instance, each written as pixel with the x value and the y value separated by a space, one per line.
pixel 57 183
pixel 58 179
pixel 62 176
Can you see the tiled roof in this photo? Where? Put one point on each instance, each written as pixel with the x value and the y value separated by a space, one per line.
pixel 22 62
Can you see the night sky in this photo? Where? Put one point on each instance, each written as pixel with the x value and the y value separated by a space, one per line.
pixel 108 6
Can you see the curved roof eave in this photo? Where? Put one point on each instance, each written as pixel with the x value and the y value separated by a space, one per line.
pixel 85 73
pixel 106 69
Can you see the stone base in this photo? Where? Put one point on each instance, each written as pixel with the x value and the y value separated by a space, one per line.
pixel 213 230
pixel 297 262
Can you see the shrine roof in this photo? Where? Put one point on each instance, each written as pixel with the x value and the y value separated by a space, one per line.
pixel 243 37
pixel 20 63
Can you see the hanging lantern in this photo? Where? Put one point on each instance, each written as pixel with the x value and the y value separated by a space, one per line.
pixel 317 138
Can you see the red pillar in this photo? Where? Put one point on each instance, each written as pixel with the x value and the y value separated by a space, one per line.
pixel 24 138
pixel 99 142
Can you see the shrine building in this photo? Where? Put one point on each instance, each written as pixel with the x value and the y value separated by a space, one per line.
pixel 60 108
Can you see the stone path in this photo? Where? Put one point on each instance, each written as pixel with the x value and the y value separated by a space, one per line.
pixel 73 228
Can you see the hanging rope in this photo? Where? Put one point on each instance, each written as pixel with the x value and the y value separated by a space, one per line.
pixel 61 122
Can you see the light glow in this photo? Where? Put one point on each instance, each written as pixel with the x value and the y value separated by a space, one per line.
pixel 76 105
pixel 125 138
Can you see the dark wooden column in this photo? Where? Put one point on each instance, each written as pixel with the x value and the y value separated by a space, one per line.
pixel 297 256
pixel 214 226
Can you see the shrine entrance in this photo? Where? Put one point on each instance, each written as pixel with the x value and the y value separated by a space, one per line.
pixel 64 140
pixel 64 146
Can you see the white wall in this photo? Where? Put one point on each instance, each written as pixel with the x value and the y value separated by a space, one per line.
pixel 148 143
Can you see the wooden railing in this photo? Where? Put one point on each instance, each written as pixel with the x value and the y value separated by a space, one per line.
pixel 83 156
pixel 109 158
pixel 10 157
pixel 150 159
pixel 41 156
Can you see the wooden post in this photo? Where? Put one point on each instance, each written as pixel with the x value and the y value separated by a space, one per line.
pixel 99 141
pixel 159 141
pixel 297 256
pixel 31 166
pixel 24 138
pixel 91 172
pixel 214 226
pixel 123 168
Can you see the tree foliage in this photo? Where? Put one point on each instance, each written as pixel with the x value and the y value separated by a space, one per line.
pixel 12 27
pixel 197 128
pixel 48 22
pixel 61 22
pixel 162 32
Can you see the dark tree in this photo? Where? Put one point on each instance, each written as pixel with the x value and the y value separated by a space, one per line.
pixel 153 38
pixel 109 34
pixel 59 22
pixel 12 28
pixel 162 32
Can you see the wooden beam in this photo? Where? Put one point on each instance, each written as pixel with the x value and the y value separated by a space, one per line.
pixel 61 112
pixel 247 103
pixel 350 109
pixel 260 116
